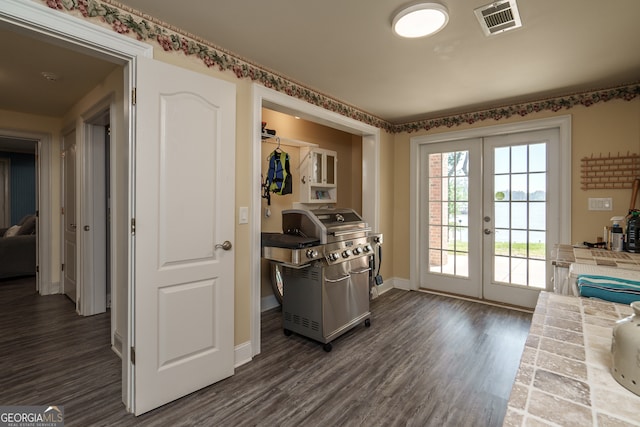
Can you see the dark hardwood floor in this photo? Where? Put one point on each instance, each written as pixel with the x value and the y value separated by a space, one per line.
pixel 426 360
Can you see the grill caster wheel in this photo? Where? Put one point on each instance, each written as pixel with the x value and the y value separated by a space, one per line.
pixel 327 347
pixel 287 332
pixel 367 322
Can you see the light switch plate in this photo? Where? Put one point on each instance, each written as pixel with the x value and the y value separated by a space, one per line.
pixel 243 215
pixel 600 204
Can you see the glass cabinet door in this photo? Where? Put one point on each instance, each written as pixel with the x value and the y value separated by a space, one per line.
pixel 331 170
pixel 316 167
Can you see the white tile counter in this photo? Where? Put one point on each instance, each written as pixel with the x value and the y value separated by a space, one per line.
pixel 564 377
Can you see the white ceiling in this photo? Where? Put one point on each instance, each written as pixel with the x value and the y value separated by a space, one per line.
pixel 345 49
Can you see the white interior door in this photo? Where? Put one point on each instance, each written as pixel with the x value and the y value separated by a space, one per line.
pixel 69 220
pixel 93 236
pixel 489 215
pixel 184 225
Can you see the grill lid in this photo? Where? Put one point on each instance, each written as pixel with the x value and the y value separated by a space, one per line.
pixel 328 225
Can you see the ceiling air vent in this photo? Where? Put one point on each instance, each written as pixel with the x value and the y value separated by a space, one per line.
pixel 498 17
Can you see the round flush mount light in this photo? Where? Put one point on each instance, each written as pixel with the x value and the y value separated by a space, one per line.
pixel 48 75
pixel 420 20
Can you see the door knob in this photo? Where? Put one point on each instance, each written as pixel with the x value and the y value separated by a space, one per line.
pixel 226 245
pixel 487 231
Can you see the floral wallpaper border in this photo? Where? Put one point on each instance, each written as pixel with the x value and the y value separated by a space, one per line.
pixel 132 23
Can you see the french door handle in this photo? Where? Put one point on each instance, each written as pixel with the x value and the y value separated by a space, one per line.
pixel 487 231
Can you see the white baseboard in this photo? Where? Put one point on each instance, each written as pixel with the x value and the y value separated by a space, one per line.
pixel 242 354
pixel 399 283
pixel 50 288
pixel 267 303
pixel 117 345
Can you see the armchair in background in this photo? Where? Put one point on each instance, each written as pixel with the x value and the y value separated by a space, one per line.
pixel 18 249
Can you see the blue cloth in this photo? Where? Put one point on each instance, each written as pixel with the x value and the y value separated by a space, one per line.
pixel 608 288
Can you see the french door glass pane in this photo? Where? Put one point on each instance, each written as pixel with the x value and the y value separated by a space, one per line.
pixel 519 208
pixel 448 212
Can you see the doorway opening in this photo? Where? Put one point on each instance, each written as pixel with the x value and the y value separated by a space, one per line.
pixel 18 206
pixel 276 101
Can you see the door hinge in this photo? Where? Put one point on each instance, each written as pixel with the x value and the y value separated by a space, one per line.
pixel 133 96
pixel 62 267
pixel 133 355
pixel 37 269
pixel 133 226
pixel 37 214
pixel 62 210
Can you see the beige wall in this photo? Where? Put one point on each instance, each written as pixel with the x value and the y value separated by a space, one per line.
pixel 608 127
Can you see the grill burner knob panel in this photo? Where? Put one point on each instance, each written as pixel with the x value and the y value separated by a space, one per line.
pixel 346 254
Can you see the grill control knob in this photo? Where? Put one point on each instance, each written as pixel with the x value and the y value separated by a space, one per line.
pixel 312 254
pixel 333 256
pixel 357 251
pixel 346 254
pixel 367 248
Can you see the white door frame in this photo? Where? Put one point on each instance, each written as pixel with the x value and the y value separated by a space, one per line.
pixel 65 257
pixel 561 122
pixel 277 101
pixel 38 20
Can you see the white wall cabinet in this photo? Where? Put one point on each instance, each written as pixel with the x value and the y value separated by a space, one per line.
pixel 318 175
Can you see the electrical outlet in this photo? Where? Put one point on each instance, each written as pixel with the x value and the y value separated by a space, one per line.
pixel 600 204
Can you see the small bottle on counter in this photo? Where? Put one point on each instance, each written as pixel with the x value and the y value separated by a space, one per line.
pixel 617 238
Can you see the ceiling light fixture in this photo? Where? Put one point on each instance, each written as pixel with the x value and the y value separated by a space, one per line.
pixel 420 20
pixel 48 75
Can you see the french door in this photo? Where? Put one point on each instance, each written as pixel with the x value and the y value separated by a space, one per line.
pixel 489 213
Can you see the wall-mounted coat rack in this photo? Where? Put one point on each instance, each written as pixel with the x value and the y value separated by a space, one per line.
pixel 286 141
pixel 609 171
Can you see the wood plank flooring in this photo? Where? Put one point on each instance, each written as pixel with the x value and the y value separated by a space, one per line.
pixel 426 360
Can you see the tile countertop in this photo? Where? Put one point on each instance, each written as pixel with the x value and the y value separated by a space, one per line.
pixel 564 375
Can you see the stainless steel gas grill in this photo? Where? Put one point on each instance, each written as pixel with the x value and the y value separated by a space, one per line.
pixel 324 261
